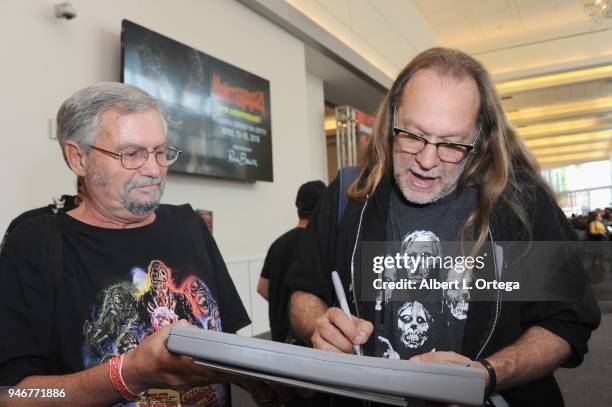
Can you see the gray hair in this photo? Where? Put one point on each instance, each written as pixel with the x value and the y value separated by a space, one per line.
pixel 78 118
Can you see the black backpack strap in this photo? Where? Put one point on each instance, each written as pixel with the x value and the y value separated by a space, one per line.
pixel 346 176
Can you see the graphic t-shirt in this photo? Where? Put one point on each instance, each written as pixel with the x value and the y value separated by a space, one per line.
pixel 117 286
pixel 419 321
pixel 275 269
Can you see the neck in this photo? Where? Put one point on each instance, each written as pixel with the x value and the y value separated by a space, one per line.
pixel 88 212
pixel 302 223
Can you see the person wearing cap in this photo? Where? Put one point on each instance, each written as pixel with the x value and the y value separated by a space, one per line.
pixel 271 283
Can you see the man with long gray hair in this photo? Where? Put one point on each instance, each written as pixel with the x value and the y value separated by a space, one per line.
pixel 445 162
pixel 89 296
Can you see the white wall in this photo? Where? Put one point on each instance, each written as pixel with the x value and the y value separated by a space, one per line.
pixel 44 60
pixel 316 126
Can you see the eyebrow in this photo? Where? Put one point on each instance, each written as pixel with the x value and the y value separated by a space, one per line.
pixel 419 131
pixel 122 147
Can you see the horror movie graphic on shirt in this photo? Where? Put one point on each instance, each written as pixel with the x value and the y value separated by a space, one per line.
pixel 423 320
pixel 457 300
pixel 421 243
pixel 418 244
pixel 126 312
pixel 413 321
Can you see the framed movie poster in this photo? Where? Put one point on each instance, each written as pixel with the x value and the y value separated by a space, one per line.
pixel 217 114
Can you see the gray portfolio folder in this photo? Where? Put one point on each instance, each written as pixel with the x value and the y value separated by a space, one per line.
pixel 376 379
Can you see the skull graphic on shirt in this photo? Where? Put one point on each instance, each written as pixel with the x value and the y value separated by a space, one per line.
pixel 414 322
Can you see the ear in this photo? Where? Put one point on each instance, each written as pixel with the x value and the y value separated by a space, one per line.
pixel 76 157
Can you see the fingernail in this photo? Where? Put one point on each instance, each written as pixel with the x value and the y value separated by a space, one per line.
pixel 360 337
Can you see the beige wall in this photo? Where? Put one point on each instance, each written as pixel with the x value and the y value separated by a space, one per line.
pixel 45 59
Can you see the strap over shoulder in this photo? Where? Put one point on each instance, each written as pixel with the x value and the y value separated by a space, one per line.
pixel 346 176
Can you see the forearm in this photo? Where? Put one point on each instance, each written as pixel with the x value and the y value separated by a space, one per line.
pixel 537 353
pixel 304 310
pixel 262 287
pixel 91 387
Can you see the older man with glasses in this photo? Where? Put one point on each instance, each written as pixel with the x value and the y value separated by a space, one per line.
pixel 444 165
pixel 83 292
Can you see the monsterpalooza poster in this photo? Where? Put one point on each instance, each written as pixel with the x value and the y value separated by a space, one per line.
pixel 217 114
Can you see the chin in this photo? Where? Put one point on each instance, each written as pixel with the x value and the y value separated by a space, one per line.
pixel 420 197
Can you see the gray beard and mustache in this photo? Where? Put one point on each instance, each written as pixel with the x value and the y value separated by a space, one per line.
pixel 138 207
pixel 447 188
pixel 133 205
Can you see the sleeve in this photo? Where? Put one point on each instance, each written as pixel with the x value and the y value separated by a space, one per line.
pixel 572 320
pixel 313 260
pixel 26 306
pixel 233 313
pixel 265 271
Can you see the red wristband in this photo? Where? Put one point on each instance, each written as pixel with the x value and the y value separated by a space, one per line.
pixel 116 378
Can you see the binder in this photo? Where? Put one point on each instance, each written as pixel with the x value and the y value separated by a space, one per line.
pixel 396 382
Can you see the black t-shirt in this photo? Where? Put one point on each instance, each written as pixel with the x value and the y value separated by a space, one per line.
pixel 419 321
pixel 117 286
pixel 275 269
pixel 66 203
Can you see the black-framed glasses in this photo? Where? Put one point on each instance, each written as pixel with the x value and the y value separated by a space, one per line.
pixel 135 157
pixel 410 142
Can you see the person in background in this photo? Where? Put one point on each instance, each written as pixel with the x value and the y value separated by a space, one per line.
pixel 597 229
pixel 271 283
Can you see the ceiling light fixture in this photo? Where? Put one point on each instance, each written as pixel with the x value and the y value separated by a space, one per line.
pixel 549 112
pixel 598 10
pixel 555 79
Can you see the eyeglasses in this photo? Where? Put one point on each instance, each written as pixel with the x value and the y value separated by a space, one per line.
pixel 409 142
pixel 135 157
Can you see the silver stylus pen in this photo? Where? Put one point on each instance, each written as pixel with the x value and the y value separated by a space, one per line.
pixel 343 304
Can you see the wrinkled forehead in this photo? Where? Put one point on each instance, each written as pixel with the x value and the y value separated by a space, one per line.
pixel 146 128
pixel 438 103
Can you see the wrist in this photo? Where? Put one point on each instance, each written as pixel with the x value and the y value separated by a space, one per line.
pixel 134 378
pixel 490 378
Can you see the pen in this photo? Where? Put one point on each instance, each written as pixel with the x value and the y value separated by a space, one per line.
pixel 343 304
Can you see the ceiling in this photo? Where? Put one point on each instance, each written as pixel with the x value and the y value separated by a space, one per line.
pixel 552 63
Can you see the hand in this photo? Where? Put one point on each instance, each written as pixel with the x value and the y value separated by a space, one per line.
pixel 336 332
pixel 450 357
pixel 151 365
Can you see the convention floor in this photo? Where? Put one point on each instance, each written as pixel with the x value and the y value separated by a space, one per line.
pixel 589 384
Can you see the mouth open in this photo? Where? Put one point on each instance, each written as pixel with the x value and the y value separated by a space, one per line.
pixel 149 187
pixel 420 181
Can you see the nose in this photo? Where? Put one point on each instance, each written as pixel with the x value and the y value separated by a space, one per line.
pixel 151 168
pixel 428 158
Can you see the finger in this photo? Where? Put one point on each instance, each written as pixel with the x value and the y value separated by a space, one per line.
pixel 364 326
pixel 350 329
pixel 331 334
pixel 203 371
pixel 319 343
